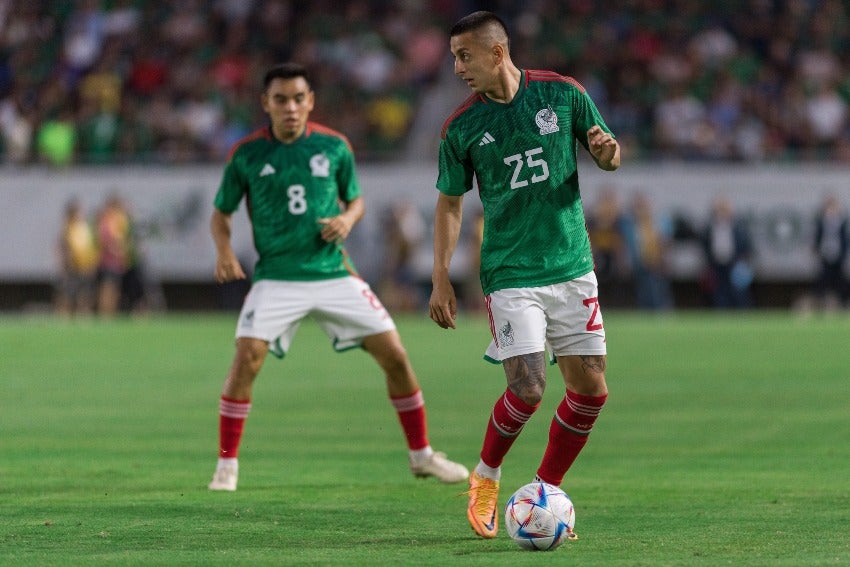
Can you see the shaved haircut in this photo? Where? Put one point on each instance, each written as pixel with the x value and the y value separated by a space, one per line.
pixel 486 25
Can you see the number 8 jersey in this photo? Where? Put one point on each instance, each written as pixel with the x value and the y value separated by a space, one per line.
pixel 523 157
pixel 287 188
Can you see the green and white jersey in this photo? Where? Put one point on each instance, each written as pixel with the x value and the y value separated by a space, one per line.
pixel 523 156
pixel 287 187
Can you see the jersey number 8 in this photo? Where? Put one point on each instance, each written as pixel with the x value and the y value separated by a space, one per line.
pixel 297 202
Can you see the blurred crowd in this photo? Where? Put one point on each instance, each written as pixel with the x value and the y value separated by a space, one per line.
pixel 633 245
pixel 119 81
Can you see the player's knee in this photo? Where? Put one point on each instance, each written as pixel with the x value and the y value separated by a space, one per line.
pixel 529 390
pixel 394 361
pixel 250 357
pixel 531 395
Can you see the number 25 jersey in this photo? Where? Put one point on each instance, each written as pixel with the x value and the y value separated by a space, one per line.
pixel 523 157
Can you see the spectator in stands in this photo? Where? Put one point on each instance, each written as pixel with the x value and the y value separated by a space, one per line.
pixel 405 232
pixel 113 233
pixel 831 247
pixel 57 138
pixel 773 70
pixel 647 240
pixel 78 259
pixel 728 248
pixel 604 225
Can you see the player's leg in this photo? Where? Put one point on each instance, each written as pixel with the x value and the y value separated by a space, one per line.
pixel 584 376
pixel 526 381
pixel 406 396
pixel 353 316
pixel 518 326
pixel 234 406
pixel 577 337
pixel 268 321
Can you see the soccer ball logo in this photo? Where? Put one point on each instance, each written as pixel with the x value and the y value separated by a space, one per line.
pixel 539 516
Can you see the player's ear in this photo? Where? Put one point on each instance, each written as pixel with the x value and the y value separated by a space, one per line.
pixel 498 53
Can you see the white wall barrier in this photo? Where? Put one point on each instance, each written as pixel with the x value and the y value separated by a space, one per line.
pixel 173 204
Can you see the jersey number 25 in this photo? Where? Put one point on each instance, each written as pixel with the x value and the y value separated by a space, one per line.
pixel 537 176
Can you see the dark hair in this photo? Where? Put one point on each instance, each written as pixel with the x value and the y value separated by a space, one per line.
pixel 285 71
pixel 476 21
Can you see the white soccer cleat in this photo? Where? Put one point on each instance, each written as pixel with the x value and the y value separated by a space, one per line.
pixel 225 478
pixel 437 465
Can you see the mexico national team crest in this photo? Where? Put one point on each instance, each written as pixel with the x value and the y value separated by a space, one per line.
pixel 547 120
pixel 320 165
pixel 506 335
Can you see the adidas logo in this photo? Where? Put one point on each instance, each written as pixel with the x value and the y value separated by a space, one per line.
pixel 488 137
pixel 267 170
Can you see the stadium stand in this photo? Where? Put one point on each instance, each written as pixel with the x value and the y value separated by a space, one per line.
pixel 130 81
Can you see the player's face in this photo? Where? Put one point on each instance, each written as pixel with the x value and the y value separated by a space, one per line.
pixel 288 102
pixel 474 62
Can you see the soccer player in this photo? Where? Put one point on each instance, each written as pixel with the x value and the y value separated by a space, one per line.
pixel 294 175
pixel 517 136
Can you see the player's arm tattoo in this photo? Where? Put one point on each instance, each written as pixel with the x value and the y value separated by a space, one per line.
pixel 527 376
pixel 593 364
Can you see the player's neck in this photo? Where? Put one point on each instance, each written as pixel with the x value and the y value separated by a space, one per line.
pixel 508 85
pixel 285 137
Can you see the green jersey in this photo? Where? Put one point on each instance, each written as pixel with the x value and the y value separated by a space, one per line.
pixel 523 156
pixel 287 187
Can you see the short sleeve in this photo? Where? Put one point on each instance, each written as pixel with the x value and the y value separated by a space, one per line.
pixel 586 115
pixel 346 176
pixel 232 188
pixel 456 173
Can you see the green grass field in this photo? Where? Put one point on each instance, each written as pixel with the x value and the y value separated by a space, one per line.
pixel 724 442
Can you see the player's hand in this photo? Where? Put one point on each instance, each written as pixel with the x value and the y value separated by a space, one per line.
pixel 443 305
pixel 602 146
pixel 228 268
pixel 335 229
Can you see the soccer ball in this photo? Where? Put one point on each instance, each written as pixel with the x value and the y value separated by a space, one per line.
pixel 539 516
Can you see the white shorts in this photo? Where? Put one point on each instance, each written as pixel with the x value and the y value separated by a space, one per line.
pixel 345 309
pixel 563 318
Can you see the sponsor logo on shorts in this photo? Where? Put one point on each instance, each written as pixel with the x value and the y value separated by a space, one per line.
pixel 248 319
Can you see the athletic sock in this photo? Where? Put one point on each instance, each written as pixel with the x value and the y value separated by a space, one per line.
pixel 509 416
pixel 411 414
pixel 485 470
pixel 568 434
pixel 231 423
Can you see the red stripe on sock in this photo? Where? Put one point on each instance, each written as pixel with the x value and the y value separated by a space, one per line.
pixel 568 434
pixel 509 416
pixel 411 414
pixel 231 424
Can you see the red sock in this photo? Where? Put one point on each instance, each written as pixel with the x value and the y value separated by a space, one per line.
pixel 568 434
pixel 411 414
pixel 509 416
pixel 231 422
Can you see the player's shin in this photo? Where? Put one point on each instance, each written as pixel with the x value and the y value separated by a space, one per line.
pixel 568 434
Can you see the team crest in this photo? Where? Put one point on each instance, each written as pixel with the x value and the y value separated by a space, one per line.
pixel 506 335
pixel 547 120
pixel 320 165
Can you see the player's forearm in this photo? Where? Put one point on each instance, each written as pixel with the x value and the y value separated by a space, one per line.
pixel 447 222
pixel 354 211
pixel 221 229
